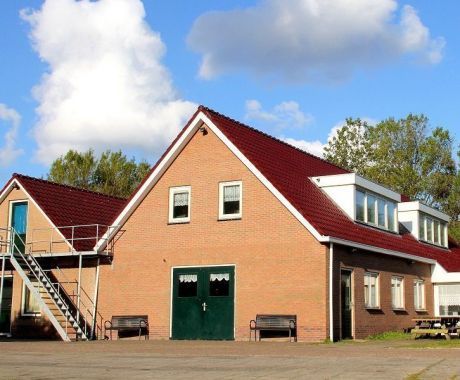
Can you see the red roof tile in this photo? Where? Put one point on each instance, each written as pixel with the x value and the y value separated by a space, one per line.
pixel 289 169
pixel 70 206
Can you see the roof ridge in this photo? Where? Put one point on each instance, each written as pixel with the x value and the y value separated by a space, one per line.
pixel 19 175
pixel 204 108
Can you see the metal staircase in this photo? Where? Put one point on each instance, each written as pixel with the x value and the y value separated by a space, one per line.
pixel 65 318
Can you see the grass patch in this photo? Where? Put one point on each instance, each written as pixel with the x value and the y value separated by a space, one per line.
pixel 435 343
pixel 390 335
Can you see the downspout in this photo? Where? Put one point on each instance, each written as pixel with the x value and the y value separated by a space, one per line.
pixel 331 291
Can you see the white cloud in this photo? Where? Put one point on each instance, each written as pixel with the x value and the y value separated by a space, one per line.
pixel 284 115
pixel 106 86
pixel 11 119
pixel 314 147
pixel 310 40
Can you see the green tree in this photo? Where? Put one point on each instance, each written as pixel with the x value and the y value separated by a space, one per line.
pixel 349 148
pixel 112 173
pixel 404 155
pixel 74 169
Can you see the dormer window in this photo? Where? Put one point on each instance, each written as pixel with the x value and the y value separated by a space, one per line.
pixel 375 210
pixel 432 230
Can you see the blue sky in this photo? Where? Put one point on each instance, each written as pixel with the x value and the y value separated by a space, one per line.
pixel 122 74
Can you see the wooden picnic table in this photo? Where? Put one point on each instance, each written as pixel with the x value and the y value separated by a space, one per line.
pixel 432 326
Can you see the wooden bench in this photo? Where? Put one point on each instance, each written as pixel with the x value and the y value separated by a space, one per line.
pixel 274 322
pixel 128 323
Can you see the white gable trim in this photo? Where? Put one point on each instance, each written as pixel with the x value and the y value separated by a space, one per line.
pixel 18 183
pixel 197 122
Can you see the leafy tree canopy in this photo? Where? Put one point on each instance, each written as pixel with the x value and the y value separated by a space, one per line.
pixel 112 173
pixel 405 155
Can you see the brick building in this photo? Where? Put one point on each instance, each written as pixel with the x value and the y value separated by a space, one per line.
pixel 230 223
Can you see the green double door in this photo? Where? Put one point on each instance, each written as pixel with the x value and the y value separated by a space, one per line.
pixel 203 303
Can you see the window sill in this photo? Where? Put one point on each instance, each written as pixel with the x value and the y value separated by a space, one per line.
pixel 376 227
pixel 432 244
pixel 400 309
pixel 178 222
pixel 373 308
pixel 228 218
pixel 421 310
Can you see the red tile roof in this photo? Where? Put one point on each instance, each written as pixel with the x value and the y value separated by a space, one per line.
pixel 70 206
pixel 289 170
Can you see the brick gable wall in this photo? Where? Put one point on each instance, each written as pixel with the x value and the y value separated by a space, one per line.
pixel 280 267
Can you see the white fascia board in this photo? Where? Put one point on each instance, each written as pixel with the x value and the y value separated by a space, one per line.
pixel 380 250
pixel 355 179
pixel 440 275
pixel 419 206
pixel 174 152
pixel 18 183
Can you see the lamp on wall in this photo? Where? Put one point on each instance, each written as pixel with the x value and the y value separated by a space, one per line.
pixel 204 131
pixel 15 186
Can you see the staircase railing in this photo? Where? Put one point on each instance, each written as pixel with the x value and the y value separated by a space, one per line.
pixel 30 264
pixel 87 306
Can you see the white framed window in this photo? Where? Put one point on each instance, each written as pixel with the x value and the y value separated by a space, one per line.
pixel 375 210
pixel 371 290
pixel 29 304
pixel 448 296
pixel 419 295
pixel 179 204
pixel 397 292
pixel 230 200
pixel 432 230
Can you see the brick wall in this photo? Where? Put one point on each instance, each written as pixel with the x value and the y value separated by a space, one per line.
pixel 366 321
pixel 280 267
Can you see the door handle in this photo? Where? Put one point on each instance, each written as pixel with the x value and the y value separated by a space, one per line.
pixel 204 306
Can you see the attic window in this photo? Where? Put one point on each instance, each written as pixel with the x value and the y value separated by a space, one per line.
pixel 432 230
pixel 375 210
pixel 179 204
pixel 230 200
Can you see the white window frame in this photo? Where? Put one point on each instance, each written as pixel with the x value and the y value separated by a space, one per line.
pixel 401 291
pixel 428 219
pixel 223 216
pixel 172 192
pixel 369 304
pixel 378 199
pixel 419 285
pixel 23 303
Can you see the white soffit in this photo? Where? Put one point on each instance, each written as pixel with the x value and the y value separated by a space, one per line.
pixel 356 180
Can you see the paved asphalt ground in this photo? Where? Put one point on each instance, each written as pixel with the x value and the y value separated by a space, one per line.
pixel 226 360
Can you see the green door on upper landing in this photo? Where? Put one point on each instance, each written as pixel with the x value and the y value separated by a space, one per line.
pixel 19 224
pixel 203 303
